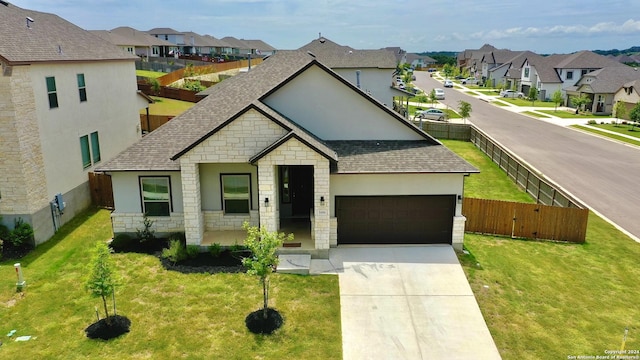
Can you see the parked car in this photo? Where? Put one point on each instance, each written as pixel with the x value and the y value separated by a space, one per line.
pixel 511 94
pixel 432 114
pixel 469 81
pixel 448 83
pixel 439 94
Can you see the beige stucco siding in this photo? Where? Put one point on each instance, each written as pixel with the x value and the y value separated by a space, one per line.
pixel 377 82
pixel 210 185
pixel 111 109
pixel 126 195
pixel 331 111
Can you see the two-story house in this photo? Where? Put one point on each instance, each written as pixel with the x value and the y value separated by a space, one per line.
pixel 68 101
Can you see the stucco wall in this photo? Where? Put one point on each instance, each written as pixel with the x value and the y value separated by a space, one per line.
pixel 126 190
pixel 335 112
pixel 375 81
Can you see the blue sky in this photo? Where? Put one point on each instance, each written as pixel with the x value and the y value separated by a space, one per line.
pixel 542 26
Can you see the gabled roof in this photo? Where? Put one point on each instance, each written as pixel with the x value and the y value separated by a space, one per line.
pixel 337 56
pixel 235 43
pixel 259 45
pixel 411 57
pixel 585 60
pixel 164 31
pixel 215 42
pixel 49 38
pixel 140 38
pixel 321 44
pixel 193 39
pixel 116 39
pixel 608 80
pixel 227 101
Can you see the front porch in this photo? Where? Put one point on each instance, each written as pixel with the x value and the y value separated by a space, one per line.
pixel 300 228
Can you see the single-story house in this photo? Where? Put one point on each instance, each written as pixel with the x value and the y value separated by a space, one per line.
pixel 291 144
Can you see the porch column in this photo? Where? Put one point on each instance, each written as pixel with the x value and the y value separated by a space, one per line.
pixel 267 186
pixel 193 218
pixel 457 236
pixel 321 205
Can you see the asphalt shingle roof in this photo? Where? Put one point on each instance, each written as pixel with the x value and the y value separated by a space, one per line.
pixel 49 38
pixel 141 38
pixel 336 56
pixel 383 156
pixel 608 80
pixel 161 149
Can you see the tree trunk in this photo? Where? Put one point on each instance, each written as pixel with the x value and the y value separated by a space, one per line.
pixel 265 293
pixel 106 311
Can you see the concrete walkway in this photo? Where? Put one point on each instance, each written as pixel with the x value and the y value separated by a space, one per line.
pixel 410 302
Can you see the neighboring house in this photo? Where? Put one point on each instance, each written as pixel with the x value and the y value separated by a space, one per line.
pixel 370 70
pixel 291 141
pixel 602 85
pixel 218 46
pixel 260 47
pixel 470 60
pixel 509 73
pixel 68 102
pixel 238 47
pixel 629 94
pixel 172 36
pixel 420 61
pixel 147 46
pixel 494 59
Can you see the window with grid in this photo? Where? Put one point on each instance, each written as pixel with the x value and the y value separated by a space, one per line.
pixel 51 92
pixel 156 196
pixel 236 193
pixel 82 89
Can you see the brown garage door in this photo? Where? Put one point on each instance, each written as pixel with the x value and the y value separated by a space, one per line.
pixel 395 219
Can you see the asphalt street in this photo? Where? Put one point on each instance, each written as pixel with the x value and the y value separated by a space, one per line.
pixel 601 173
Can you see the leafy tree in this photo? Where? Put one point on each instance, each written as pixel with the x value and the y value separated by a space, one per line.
pixel 464 109
pixel 263 261
pixel 432 96
pixel 101 281
pixel 533 95
pixel 620 109
pixel 448 70
pixel 581 101
pixel 557 98
pixel 634 115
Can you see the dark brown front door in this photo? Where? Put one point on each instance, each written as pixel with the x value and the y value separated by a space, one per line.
pixel 395 219
pixel 301 190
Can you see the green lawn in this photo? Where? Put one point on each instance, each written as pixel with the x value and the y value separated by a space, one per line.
pixel 609 135
pixel 622 129
pixel 538 115
pixel 564 114
pixel 525 102
pixel 173 315
pixel 165 106
pixel 150 74
pixel 546 300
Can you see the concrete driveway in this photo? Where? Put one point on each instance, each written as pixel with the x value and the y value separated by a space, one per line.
pixel 410 302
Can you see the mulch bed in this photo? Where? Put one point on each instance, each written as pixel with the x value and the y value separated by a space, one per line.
pixel 10 252
pixel 101 330
pixel 257 324
pixel 226 262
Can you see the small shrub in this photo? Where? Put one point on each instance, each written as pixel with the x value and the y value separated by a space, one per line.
pixel 122 242
pixel 147 234
pixel 592 122
pixel 237 247
pixel 22 233
pixel 193 251
pixel 176 252
pixel 180 237
pixel 215 250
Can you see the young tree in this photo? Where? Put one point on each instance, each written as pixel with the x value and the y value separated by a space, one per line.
pixel 634 115
pixel 620 109
pixel 101 282
pixel 448 70
pixel 581 101
pixel 557 98
pixel 432 96
pixel 464 109
pixel 533 95
pixel 263 261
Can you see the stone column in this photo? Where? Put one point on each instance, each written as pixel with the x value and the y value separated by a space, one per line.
pixel 193 217
pixel 457 236
pixel 267 190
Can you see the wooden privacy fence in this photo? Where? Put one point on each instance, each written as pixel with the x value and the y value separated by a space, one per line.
pixel 450 131
pixel 522 220
pixel 152 122
pixel 101 190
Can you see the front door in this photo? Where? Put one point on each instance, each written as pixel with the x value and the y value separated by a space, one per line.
pixel 296 191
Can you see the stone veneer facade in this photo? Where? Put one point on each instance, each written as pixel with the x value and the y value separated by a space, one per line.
pixel 457 236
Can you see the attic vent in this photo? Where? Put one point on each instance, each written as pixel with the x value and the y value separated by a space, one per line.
pixel 312 54
pixel 59 49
